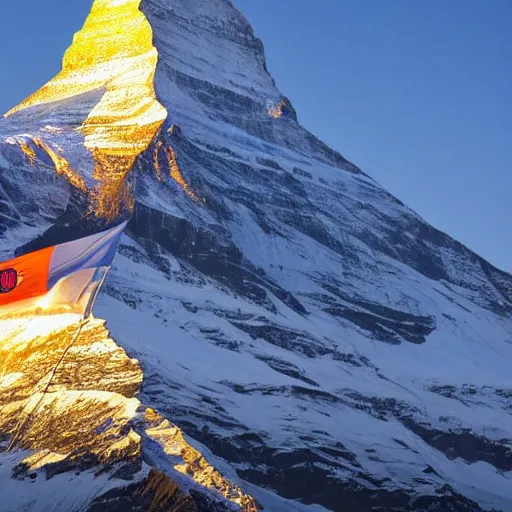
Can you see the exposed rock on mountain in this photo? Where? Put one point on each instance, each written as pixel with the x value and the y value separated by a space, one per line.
pixel 68 401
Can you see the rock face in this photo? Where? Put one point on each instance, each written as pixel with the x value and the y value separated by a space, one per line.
pixel 68 401
pixel 315 339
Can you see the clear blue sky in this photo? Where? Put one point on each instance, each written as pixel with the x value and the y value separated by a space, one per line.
pixel 416 92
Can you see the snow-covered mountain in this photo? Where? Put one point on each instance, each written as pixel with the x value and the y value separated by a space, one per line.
pixel 316 341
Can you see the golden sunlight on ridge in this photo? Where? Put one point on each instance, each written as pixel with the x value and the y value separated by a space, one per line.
pixel 114 51
pixel 68 395
pixel 60 163
pixel 174 169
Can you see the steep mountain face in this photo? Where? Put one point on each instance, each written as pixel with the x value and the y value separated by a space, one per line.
pixel 68 399
pixel 314 338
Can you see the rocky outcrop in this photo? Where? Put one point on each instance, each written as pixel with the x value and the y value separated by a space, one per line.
pixel 68 410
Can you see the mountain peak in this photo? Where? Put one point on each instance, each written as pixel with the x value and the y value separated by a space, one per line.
pixel 311 337
pixel 135 64
pixel 112 54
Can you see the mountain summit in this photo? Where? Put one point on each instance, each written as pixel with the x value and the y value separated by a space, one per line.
pixel 316 344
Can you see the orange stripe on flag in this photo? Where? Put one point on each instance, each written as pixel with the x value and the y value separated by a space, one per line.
pixel 32 272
